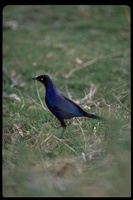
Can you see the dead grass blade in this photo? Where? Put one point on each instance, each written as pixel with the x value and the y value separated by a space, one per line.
pixel 60 140
pixel 90 62
pixel 83 134
pixel 14 81
pixel 121 103
pixel 38 94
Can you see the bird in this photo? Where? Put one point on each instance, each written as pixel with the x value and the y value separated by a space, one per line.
pixel 61 106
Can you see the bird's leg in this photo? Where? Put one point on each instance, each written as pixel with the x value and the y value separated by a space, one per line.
pixel 63 130
pixel 63 124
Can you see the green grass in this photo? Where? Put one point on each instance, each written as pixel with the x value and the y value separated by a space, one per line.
pixel 84 49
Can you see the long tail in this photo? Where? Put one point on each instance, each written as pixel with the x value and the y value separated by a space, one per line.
pixel 93 116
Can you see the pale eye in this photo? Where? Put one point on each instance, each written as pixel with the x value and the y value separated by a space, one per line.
pixel 41 79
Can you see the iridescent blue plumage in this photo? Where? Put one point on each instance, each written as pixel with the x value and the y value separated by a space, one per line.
pixel 59 105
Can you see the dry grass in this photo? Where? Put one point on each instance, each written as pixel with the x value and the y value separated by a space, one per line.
pixel 89 61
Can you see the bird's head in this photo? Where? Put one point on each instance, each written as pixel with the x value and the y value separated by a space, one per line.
pixel 43 79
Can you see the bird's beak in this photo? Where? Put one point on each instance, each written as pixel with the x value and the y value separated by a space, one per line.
pixel 34 78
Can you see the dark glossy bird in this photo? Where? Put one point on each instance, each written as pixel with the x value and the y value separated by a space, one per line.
pixel 59 105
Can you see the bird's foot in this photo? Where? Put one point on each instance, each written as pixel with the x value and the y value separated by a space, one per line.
pixel 63 139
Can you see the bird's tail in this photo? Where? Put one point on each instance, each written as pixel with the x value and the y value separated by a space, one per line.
pixel 93 116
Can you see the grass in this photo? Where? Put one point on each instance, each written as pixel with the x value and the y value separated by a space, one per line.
pixel 86 51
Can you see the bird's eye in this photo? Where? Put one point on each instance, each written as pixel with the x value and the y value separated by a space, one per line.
pixel 41 79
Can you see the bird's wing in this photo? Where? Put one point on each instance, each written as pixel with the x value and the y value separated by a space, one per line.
pixel 68 108
pixel 73 103
pixel 64 107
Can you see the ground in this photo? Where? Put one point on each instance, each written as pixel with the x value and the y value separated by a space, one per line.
pixel 86 52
